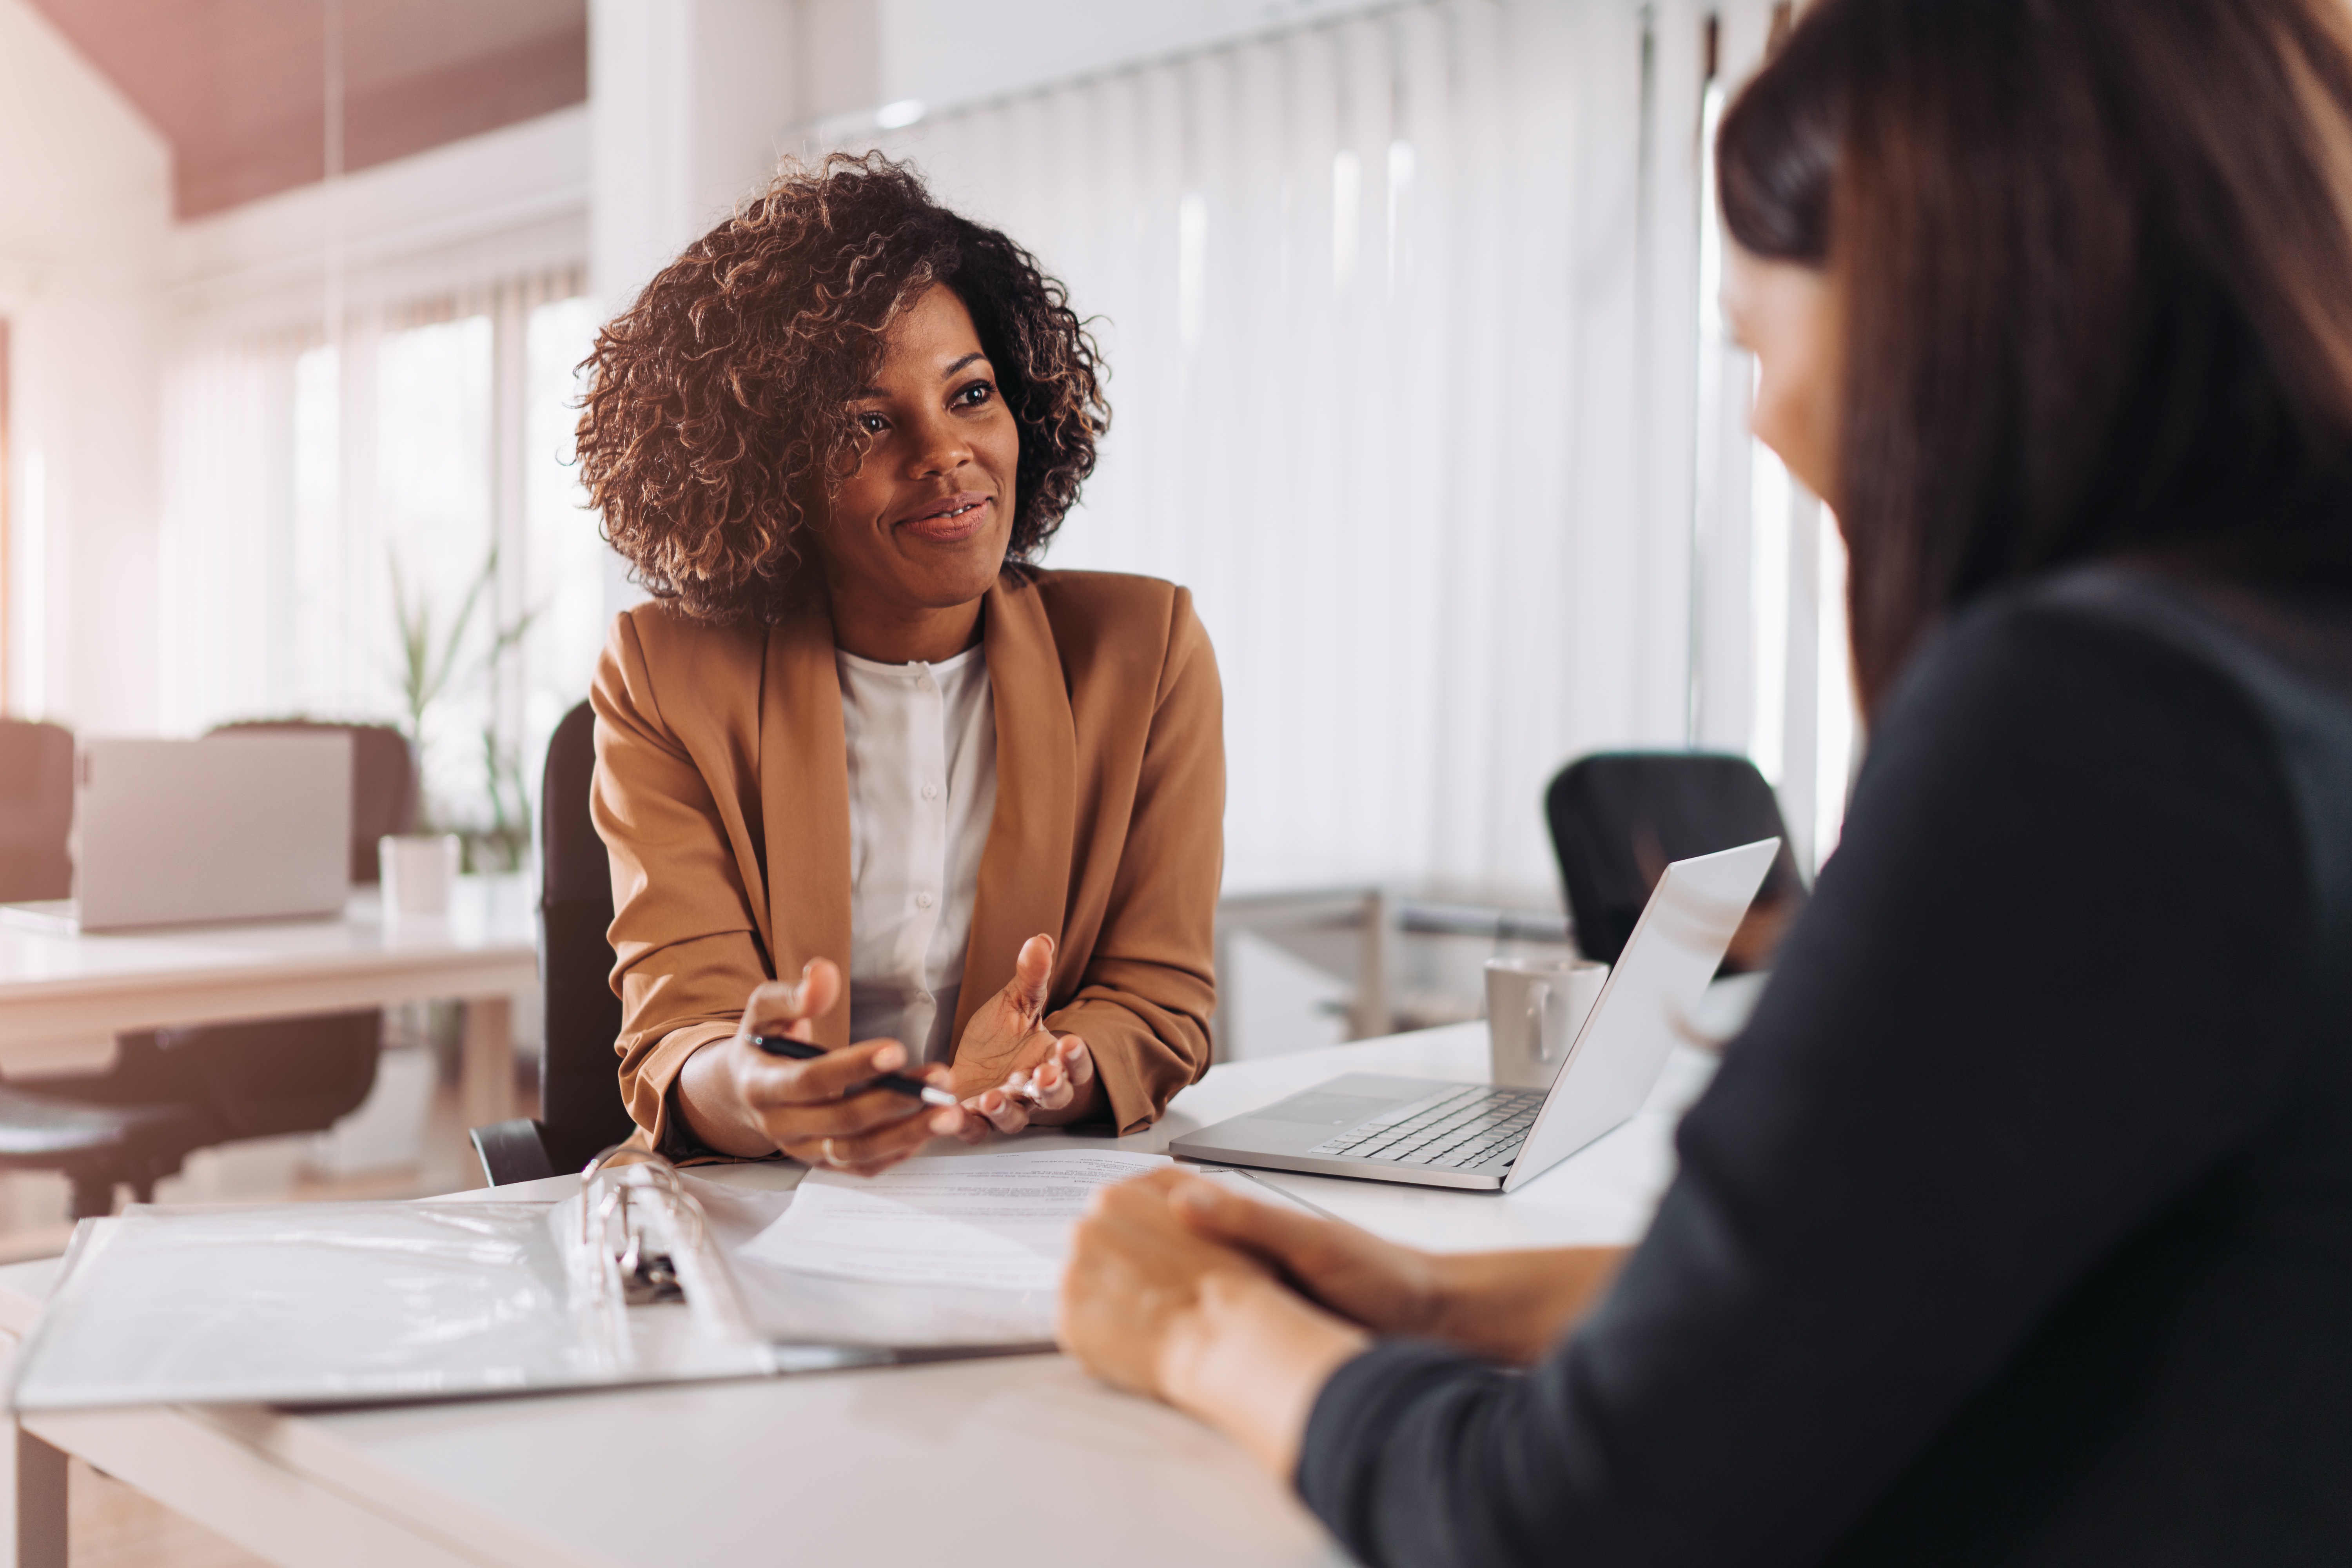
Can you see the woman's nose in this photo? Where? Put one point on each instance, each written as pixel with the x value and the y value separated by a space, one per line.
pixel 940 448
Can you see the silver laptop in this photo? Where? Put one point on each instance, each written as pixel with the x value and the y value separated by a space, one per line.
pixel 1479 1137
pixel 243 826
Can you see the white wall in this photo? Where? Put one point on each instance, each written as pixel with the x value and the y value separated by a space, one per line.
pixel 690 101
pixel 85 201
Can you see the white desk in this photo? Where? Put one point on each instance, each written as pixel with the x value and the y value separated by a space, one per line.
pixel 58 995
pixel 901 1464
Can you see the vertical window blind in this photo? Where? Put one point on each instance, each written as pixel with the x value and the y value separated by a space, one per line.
pixel 1408 334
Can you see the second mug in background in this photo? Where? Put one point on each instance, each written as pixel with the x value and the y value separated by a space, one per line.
pixel 420 872
pixel 1534 1009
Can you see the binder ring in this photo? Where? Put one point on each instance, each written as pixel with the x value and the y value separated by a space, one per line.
pixel 605 1182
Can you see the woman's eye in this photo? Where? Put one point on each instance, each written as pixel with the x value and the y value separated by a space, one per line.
pixel 872 423
pixel 972 396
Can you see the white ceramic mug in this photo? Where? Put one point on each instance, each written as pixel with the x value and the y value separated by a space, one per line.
pixel 1534 1009
pixel 420 872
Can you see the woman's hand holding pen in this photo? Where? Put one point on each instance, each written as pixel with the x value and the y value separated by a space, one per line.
pixel 827 1110
pixel 1012 1071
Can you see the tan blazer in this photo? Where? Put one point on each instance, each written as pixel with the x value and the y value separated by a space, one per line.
pixel 722 792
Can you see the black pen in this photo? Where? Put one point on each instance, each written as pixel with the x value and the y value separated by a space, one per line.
pixel 896 1082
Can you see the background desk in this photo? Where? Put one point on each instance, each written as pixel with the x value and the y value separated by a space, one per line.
pixel 60 994
pixel 898 1465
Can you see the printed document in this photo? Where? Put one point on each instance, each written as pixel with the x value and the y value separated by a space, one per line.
pixel 997 1222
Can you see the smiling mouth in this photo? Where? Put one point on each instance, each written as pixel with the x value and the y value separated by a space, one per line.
pixel 953 518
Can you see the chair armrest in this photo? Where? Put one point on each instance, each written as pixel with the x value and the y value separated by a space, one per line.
pixel 512 1151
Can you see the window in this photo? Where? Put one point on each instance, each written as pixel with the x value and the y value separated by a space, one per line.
pixel 382 524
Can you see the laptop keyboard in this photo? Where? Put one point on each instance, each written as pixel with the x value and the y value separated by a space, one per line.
pixel 1455 1128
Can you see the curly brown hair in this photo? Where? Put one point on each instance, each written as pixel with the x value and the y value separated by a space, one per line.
pixel 717 418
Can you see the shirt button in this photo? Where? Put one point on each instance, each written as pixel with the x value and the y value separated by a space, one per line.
pixel 922 901
pixel 923 683
pixel 923 998
pixel 931 791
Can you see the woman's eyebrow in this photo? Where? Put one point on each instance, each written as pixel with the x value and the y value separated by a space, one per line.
pixel 876 391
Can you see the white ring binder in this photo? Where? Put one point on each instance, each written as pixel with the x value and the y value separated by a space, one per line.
pixel 645 1275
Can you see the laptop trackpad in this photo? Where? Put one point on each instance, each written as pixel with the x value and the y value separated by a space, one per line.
pixel 1323 1110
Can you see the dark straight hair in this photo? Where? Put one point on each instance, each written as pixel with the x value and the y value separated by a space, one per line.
pixel 2095 265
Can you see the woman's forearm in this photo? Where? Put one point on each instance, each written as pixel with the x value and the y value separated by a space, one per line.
pixel 1514 1306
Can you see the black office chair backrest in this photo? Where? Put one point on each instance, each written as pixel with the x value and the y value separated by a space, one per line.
pixel 36 810
pixel 1618 818
pixel 580 1089
pixel 265 1078
pixel 385 784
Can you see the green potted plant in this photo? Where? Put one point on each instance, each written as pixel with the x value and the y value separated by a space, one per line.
pixel 434 658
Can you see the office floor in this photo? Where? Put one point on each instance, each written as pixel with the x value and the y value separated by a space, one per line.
pixel 114 1527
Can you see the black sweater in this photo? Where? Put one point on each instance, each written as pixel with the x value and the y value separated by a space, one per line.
pixel 2017 1228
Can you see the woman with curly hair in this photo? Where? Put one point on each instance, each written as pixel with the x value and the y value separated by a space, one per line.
pixel 869 776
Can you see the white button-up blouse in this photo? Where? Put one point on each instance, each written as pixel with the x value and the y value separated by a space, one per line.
pixel 922 790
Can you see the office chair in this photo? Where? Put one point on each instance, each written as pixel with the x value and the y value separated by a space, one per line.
pixel 35 811
pixel 1618 818
pixel 578 1077
pixel 173 1091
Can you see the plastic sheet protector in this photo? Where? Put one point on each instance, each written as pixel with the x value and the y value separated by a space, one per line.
pixel 314 1302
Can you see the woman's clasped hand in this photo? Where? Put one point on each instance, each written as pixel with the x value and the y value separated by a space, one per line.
pixel 1238 1312
pixel 828 1110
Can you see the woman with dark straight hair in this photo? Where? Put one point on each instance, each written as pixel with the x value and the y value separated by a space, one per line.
pixel 2017 1227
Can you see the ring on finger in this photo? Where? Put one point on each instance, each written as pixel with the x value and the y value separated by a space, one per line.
pixel 830 1157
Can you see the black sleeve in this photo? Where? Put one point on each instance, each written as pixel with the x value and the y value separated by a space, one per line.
pixel 1988 1055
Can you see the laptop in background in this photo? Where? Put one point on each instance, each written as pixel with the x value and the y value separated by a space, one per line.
pixel 241 827
pixel 1482 1138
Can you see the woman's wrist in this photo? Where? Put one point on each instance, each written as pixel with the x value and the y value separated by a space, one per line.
pixel 705 1095
pixel 1442 1298
pixel 1514 1306
pixel 1250 1358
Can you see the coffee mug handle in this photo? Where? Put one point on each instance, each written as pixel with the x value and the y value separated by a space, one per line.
pixel 1538 1008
